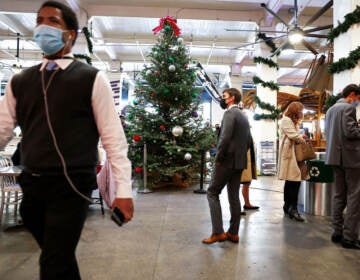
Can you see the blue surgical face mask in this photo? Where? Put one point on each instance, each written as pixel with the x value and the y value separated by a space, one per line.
pixel 355 103
pixel 49 38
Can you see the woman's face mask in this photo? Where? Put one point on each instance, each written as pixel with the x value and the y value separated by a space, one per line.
pixel 49 38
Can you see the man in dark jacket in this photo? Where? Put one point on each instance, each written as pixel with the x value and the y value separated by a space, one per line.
pixel 343 153
pixel 230 160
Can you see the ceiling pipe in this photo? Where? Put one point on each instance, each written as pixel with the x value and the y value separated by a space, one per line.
pixel 210 54
pixel 140 50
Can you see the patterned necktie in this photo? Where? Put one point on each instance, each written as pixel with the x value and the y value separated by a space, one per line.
pixel 51 65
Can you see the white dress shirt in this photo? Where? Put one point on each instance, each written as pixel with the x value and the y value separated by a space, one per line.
pixel 107 121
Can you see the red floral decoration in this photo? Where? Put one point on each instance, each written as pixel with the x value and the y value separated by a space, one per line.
pixel 138 169
pixel 167 21
pixel 136 138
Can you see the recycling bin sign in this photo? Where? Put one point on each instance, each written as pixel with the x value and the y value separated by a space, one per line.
pixel 320 172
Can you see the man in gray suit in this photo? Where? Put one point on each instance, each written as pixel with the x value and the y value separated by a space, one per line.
pixel 343 153
pixel 230 160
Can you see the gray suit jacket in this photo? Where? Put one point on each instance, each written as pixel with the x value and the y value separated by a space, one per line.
pixel 342 136
pixel 233 141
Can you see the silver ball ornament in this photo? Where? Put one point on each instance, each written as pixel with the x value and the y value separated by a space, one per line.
pixel 187 156
pixel 172 68
pixel 148 72
pixel 177 131
pixel 207 156
pixel 180 40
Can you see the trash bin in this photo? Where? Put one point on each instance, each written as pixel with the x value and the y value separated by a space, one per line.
pixel 319 188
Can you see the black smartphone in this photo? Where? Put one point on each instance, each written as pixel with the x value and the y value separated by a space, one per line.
pixel 117 216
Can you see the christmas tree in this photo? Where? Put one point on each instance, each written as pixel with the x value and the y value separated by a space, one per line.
pixel 164 113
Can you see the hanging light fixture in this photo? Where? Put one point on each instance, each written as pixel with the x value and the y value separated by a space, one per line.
pixel 296 36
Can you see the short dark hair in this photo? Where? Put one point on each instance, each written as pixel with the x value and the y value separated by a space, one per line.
pixel 234 92
pixel 349 89
pixel 68 15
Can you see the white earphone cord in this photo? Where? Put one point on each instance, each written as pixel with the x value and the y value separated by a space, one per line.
pixel 54 137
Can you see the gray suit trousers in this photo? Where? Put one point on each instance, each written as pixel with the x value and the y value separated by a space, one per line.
pixel 220 177
pixel 347 194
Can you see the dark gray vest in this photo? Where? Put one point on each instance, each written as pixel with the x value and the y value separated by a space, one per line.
pixel 71 115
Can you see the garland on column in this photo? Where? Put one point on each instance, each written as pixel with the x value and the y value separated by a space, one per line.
pixel 268 41
pixel 351 61
pixel 350 19
pixel 345 63
pixel 267 61
pixel 270 84
pixel 275 113
pixel 266 106
pixel 331 100
pixel 86 32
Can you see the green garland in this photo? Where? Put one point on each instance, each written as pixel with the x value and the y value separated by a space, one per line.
pixel 331 100
pixel 268 41
pixel 86 32
pixel 350 62
pixel 84 56
pixel 345 63
pixel 350 19
pixel 270 84
pixel 267 61
pixel 275 113
pixel 272 116
pixel 266 106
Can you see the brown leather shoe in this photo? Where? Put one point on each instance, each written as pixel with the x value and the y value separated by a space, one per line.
pixel 215 238
pixel 232 237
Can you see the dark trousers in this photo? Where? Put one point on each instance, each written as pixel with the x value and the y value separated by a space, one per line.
pixel 55 216
pixel 346 195
pixel 220 177
pixel 291 191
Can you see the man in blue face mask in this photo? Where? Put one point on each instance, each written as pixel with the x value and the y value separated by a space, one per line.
pixel 62 113
pixel 343 153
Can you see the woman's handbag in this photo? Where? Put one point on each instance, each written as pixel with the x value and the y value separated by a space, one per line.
pixel 304 151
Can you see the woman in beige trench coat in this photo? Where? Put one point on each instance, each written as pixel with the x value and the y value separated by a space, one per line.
pixel 288 167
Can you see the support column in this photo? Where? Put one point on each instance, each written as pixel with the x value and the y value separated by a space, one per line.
pixel 345 43
pixel 265 130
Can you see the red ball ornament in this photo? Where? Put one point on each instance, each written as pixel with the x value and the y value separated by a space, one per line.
pixel 138 169
pixel 186 66
pixel 156 72
pixel 153 94
pixel 136 138
pixel 162 127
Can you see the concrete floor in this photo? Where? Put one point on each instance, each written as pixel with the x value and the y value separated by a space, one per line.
pixel 164 242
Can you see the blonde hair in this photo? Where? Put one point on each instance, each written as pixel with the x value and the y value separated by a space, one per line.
pixel 293 110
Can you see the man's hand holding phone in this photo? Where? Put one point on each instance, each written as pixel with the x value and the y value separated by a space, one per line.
pixel 123 210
